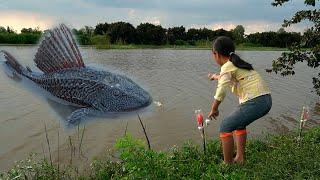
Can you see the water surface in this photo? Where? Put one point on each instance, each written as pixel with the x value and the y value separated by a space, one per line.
pixel 176 78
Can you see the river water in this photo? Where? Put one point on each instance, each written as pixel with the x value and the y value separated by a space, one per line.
pixel 176 78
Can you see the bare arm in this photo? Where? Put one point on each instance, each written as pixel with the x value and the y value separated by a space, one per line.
pixel 212 76
pixel 214 109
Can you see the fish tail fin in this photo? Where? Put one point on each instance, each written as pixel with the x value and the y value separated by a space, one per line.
pixel 12 62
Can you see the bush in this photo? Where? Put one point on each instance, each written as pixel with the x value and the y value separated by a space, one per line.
pixel 192 43
pixel 34 168
pixel 180 42
pixel 204 43
pixel 23 38
pixel 101 41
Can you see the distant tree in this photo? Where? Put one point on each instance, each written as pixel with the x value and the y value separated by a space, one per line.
pixel 287 39
pixel 87 30
pixel 193 34
pixel 285 64
pixel 222 32
pixel 150 34
pixel 30 30
pixel 238 33
pixel 102 28
pixel 207 34
pixel 10 30
pixel 281 30
pixel 26 30
pixel 200 34
pixel 176 33
pixel 3 29
pixel 122 32
pixel 84 35
pixel 274 39
pixel 74 31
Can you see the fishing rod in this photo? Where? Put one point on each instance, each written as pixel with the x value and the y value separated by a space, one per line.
pixel 201 126
pixel 305 116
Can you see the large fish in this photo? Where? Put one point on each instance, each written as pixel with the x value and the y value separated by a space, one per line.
pixel 65 76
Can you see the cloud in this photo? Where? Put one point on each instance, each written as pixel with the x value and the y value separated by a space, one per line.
pixel 251 26
pixel 255 15
pixel 19 20
pixel 152 20
pixel 131 12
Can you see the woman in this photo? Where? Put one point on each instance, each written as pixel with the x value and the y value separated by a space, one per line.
pixel 254 97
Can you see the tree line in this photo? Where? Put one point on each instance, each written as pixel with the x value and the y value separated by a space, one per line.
pixel 150 34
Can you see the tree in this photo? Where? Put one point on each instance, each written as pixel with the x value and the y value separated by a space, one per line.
pixel 150 34
pixel 10 30
pixel 238 33
pixel 102 29
pixel 122 32
pixel 87 30
pixel 285 64
pixel 222 32
pixel 207 34
pixel 176 33
pixel 31 31
pixel 3 29
pixel 193 34
pixel 281 30
pixel 84 35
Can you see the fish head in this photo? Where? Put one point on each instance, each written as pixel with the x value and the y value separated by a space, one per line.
pixel 121 94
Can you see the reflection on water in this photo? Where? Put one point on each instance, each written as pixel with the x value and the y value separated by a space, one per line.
pixel 176 79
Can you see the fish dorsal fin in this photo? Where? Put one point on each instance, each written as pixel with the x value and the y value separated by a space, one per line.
pixel 58 50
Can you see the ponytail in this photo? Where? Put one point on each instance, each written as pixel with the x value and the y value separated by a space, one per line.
pixel 225 46
pixel 238 62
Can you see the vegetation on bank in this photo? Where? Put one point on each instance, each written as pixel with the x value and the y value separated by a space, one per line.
pixel 276 157
pixel 105 35
pixel 241 47
pixel 199 46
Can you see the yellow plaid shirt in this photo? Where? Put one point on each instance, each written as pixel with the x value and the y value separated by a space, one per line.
pixel 243 83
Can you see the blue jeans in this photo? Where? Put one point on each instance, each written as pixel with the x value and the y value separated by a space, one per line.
pixel 246 113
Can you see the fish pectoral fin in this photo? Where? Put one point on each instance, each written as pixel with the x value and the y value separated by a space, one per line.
pixel 78 115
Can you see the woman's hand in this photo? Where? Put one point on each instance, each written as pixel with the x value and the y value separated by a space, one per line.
pixel 213 114
pixel 212 76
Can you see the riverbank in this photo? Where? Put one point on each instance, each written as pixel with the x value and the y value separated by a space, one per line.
pixel 276 157
pixel 241 47
pixel 187 47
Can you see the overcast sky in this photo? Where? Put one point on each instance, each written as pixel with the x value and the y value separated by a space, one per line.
pixel 254 15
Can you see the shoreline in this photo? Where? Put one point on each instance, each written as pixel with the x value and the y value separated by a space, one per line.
pixel 169 47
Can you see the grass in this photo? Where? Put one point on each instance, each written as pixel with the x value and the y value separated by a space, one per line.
pixel 276 157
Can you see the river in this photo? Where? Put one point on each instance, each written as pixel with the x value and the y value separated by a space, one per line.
pixel 176 78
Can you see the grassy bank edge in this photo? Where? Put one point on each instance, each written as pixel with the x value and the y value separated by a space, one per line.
pixel 276 157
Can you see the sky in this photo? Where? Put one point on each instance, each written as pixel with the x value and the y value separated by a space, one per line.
pixel 254 15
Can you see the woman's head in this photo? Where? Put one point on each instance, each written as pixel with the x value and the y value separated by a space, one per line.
pixel 223 49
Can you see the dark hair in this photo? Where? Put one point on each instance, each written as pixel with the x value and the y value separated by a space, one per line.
pixel 225 46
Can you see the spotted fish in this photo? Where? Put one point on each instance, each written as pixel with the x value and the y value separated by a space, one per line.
pixel 65 76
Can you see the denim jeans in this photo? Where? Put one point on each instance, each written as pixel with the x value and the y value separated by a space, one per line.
pixel 246 113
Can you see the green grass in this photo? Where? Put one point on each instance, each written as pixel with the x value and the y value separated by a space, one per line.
pixel 276 157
